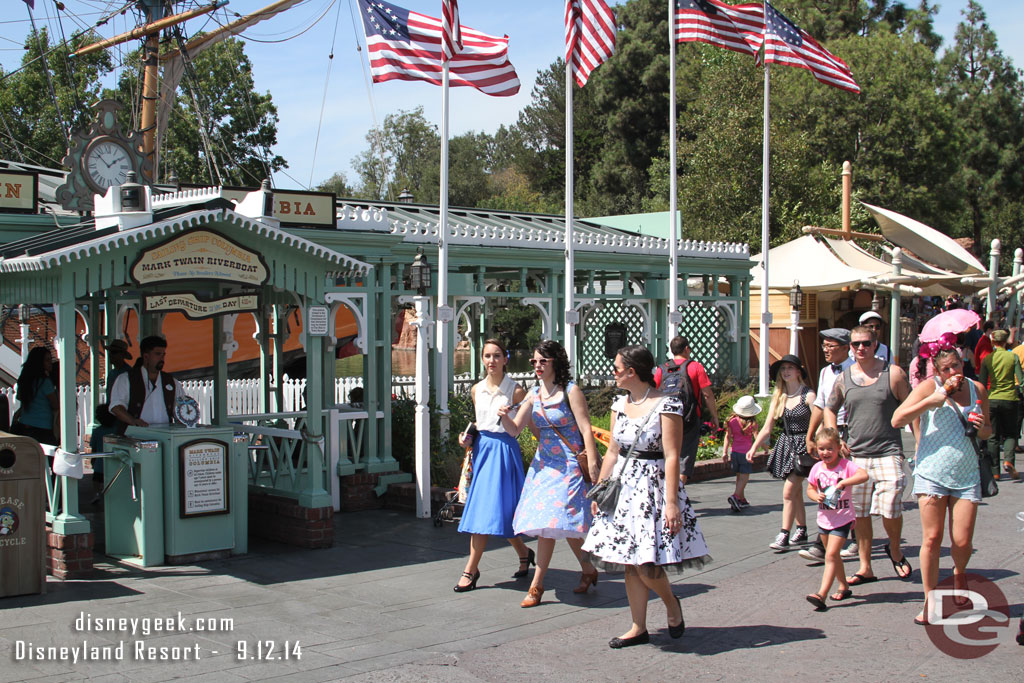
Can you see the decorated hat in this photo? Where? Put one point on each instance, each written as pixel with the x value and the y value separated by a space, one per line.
pixel 746 406
pixel 773 371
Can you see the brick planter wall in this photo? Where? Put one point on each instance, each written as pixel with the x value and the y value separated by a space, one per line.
pixel 403 497
pixel 285 521
pixel 69 556
pixel 357 493
pixel 716 469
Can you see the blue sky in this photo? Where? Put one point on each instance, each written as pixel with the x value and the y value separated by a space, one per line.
pixel 296 71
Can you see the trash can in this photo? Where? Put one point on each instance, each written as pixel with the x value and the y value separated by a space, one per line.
pixel 22 516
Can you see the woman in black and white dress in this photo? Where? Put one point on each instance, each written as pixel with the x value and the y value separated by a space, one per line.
pixel 653 528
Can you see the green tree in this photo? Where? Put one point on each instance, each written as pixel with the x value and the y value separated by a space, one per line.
pixel 338 184
pixel 35 127
pixel 221 130
pixel 403 154
pixel 984 90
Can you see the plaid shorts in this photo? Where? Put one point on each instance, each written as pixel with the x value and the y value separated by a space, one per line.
pixel 882 493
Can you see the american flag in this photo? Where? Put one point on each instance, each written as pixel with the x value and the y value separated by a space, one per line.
pixel 451 32
pixel 787 44
pixel 589 36
pixel 739 27
pixel 406 46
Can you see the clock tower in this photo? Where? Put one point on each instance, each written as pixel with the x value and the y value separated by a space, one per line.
pixel 101 157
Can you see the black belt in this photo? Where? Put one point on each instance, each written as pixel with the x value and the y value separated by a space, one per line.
pixel 649 455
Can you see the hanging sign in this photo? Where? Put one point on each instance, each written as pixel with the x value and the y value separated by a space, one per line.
pixel 195 308
pixel 318 318
pixel 203 468
pixel 199 255
pixel 19 192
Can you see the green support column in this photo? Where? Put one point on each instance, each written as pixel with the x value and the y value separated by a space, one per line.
pixel 314 495
pixel 67 519
pixel 375 335
pixel 744 331
pixel 264 340
pixel 381 377
pixel 220 374
pixel 97 357
pixel 277 326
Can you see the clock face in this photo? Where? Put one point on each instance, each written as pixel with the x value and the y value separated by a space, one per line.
pixel 106 163
pixel 187 411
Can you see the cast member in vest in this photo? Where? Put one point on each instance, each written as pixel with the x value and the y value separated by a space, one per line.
pixel 680 348
pixel 145 394
pixel 871 390
pixel 946 479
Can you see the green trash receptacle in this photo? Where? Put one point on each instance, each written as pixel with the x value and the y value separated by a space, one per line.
pixel 22 516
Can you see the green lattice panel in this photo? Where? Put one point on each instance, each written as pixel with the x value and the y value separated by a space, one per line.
pixel 592 361
pixel 705 327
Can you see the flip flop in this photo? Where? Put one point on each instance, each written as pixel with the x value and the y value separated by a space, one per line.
pixel 839 596
pixel 896 565
pixel 817 601
pixel 921 620
pixel 860 579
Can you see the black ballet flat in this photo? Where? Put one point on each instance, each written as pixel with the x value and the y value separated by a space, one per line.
pixel 641 639
pixel 469 586
pixel 529 559
pixel 679 629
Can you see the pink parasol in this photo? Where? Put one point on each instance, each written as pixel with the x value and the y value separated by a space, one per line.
pixel 953 321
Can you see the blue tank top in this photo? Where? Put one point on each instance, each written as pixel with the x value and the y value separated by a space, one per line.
pixel 944 454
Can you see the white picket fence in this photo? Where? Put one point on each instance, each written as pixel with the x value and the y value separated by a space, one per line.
pixel 244 396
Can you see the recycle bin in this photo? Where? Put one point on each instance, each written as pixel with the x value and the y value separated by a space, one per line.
pixel 22 516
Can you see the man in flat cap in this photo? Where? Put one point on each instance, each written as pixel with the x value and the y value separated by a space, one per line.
pixel 835 342
pixel 999 372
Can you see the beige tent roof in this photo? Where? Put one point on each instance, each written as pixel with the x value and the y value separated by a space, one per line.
pixel 809 261
pixel 932 281
pixel 928 243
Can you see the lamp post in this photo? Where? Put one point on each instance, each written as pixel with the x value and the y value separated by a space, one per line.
pixel 419 280
pixel 24 315
pixel 796 301
pixel 405 197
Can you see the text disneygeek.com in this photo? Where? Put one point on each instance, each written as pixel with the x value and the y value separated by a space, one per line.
pixel 143 651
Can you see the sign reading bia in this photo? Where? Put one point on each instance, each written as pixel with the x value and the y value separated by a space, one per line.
pixel 199 255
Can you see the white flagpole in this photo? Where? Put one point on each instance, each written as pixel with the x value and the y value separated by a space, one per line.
pixel 766 316
pixel 674 317
pixel 443 311
pixel 570 268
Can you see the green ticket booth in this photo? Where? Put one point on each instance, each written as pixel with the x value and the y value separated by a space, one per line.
pixel 178 495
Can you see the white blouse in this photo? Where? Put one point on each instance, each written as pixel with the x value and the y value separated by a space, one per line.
pixel 487 404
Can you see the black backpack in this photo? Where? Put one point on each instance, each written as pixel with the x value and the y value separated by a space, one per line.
pixel 676 380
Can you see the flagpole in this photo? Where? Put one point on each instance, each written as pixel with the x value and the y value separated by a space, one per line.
pixel 766 316
pixel 674 317
pixel 570 268
pixel 443 312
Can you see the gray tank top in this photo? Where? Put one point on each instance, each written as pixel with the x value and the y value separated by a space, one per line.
pixel 869 412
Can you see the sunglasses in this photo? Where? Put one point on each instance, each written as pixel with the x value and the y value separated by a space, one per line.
pixel 539 361
pixel 831 347
pixel 856 344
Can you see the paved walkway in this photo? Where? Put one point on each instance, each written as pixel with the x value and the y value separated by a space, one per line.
pixel 379 606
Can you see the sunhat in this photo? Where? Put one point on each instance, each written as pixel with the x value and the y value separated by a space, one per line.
pixel 773 371
pixel 746 406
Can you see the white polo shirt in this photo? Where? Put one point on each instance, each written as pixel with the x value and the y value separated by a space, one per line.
pixel 154 411
pixel 826 382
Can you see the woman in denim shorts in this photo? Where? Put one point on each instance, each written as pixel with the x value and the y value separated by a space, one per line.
pixel 946 478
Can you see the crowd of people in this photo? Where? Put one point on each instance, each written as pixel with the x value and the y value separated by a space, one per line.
pixel 840 447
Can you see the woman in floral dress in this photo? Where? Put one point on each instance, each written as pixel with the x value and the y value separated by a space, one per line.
pixel 553 503
pixel 653 528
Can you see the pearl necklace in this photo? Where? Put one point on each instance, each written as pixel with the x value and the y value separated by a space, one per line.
pixel 644 398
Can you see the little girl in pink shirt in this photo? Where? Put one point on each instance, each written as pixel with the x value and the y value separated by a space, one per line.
pixel 828 485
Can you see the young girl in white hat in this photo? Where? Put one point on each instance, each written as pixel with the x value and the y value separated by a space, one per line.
pixel 740 431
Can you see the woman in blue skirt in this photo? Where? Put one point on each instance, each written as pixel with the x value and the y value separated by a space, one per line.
pixel 497 469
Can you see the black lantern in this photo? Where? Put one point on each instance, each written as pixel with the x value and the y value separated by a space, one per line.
pixel 24 313
pixel 405 197
pixel 419 274
pixel 131 194
pixel 796 297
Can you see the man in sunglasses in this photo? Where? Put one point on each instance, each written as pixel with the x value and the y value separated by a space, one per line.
pixel 870 390
pixel 874 322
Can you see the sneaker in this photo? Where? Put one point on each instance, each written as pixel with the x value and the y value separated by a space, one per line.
pixel 734 503
pixel 799 536
pixel 1011 470
pixel 815 554
pixel 850 551
pixel 743 503
pixel 781 541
